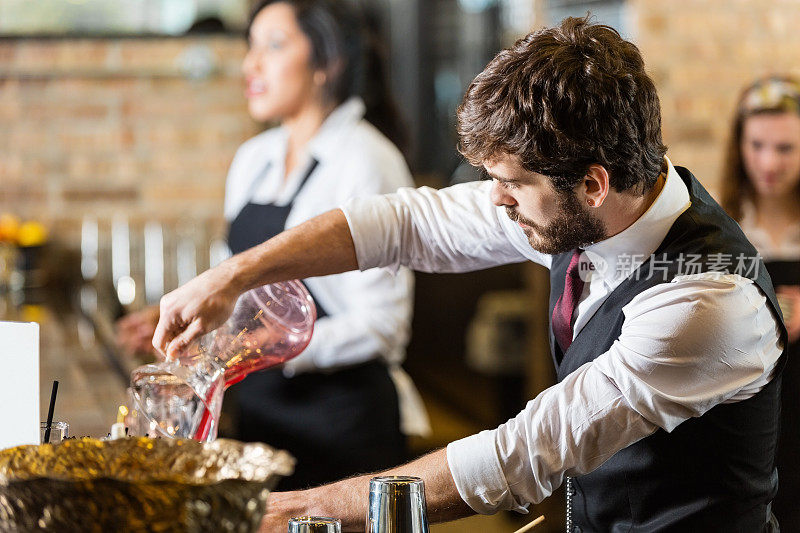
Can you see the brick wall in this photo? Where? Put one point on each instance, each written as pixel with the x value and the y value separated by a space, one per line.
pixel 701 53
pixel 109 126
pixel 119 126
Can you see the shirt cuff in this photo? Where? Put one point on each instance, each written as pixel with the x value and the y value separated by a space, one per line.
pixel 374 228
pixel 478 475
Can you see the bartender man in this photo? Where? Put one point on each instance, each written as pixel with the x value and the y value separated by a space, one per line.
pixel 664 325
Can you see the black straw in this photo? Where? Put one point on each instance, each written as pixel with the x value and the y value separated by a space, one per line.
pixel 53 394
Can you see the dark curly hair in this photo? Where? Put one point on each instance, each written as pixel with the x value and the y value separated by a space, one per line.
pixel 562 99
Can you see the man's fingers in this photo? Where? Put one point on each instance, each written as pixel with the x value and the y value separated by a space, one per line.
pixel 194 330
pixel 185 314
pixel 165 332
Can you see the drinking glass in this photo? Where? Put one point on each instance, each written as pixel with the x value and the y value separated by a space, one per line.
pixel 397 505
pixel 314 524
pixel 58 432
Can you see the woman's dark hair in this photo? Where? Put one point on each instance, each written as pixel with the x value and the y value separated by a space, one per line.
pixel 775 94
pixel 562 99
pixel 349 51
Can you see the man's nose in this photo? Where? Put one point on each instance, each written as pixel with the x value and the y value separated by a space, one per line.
pixel 500 197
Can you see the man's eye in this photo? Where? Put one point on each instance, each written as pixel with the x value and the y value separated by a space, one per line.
pixel 510 185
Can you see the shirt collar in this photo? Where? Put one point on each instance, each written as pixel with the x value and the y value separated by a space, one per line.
pixel 327 139
pixel 617 257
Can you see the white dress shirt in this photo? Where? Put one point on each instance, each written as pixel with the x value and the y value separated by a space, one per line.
pixel 685 346
pixel 369 313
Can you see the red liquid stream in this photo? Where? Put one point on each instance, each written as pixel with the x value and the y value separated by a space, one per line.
pixel 234 374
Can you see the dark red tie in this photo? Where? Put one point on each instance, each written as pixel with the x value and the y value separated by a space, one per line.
pixel 565 306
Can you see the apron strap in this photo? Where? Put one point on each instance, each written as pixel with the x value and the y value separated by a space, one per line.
pixel 311 168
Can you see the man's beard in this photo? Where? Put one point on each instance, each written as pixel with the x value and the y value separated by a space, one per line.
pixel 573 227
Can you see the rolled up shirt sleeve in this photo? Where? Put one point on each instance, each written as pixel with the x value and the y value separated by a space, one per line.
pixel 684 348
pixel 456 229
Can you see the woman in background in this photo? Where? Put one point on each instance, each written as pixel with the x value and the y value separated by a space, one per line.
pixel 311 69
pixel 761 189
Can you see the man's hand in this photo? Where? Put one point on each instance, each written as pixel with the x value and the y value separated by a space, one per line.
pixel 348 499
pixel 282 506
pixel 195 308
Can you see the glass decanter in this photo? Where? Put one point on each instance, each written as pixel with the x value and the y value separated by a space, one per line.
pixel 182 398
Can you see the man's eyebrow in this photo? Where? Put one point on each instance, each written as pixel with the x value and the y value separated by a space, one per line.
pixel 490 175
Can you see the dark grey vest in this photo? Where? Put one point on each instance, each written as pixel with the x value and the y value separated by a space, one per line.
pixel 712 473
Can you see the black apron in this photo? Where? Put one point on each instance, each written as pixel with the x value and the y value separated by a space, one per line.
pixel 787 503
pixel 335 424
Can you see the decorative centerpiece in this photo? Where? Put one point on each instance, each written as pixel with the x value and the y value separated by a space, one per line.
pixel 138 484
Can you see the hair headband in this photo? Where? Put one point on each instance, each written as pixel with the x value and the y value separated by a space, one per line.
pixel 772 94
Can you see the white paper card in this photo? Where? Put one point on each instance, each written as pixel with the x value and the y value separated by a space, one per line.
pixel 19 383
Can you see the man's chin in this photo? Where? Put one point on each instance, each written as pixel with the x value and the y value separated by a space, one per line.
pixel 552 247
pixel 547 248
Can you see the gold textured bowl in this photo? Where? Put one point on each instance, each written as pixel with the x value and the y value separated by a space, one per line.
pixel 138 484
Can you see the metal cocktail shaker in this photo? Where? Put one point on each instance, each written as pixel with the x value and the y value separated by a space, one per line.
pixel 314 524
pixel 397 505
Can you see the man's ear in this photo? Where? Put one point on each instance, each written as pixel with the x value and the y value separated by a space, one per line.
pixel 595 187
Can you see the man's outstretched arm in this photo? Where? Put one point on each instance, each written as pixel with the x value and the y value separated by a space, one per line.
pixel 456 229
pixel 319 247
pixel 348 499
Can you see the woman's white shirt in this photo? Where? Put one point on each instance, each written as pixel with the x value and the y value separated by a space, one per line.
pixel 369 312
pixel 787 249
